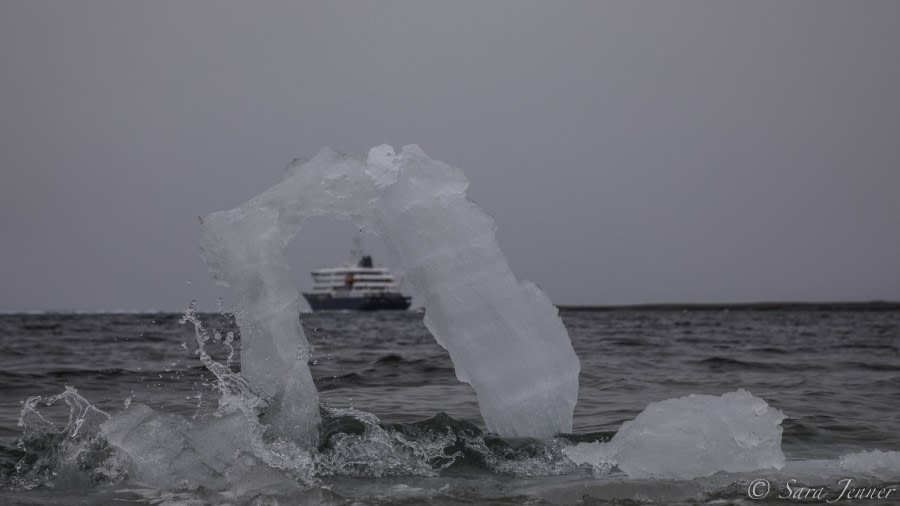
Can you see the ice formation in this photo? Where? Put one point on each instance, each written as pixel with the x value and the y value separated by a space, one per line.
pixel 504 336
pixel 691 437
pixel 874 463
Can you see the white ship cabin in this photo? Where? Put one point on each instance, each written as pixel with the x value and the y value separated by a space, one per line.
pixel 360 279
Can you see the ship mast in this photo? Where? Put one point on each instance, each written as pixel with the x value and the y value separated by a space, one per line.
pixel 356 253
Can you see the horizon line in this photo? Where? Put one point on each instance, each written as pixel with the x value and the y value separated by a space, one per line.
pixel 871 305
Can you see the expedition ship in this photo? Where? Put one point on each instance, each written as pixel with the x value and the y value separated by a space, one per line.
pixel 357 285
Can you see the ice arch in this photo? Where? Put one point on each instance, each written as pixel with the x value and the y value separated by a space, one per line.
pixel 503 336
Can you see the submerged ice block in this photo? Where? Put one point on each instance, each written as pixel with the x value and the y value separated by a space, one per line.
pixel 504 336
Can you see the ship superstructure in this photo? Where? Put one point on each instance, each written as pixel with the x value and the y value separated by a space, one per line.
pixel 357 285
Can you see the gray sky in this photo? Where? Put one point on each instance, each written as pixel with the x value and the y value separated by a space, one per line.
pixel 631 152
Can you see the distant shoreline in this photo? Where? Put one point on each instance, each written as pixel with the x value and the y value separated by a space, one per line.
pixel 731 306
pixel 744 306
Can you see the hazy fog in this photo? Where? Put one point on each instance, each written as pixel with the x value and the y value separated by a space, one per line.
pixel 630 151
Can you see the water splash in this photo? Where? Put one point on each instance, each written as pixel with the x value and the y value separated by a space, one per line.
pixel 375 451
pixel 236 392
pixel 231 448
pixel 76 453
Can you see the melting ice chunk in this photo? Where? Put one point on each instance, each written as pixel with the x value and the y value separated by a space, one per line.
pixel 503 336
pixel 876 463
pixel 169 451
pixel 691 437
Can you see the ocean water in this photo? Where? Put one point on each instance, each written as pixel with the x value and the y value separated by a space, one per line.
pixel 399 428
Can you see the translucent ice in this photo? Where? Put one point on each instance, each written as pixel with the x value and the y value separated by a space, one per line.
pixel 692 437
pixel 503 336
pixel 876 463
pixel 169 451
pixel 160 450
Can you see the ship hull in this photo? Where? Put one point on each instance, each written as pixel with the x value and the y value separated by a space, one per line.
pixel 325 302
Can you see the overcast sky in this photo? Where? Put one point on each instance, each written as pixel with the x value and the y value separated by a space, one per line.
pixel 631 152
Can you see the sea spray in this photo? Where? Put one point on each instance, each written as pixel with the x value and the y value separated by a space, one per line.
pixel 226 449
pixel 72 455
pixel 503 336
pixel 235 392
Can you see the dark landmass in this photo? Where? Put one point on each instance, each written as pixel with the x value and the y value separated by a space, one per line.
pixel 751 306
pixel 739 306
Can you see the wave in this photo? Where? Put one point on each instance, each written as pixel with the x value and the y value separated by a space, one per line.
pixel 731 364
pixel 227 457
pixel 101 449
pixel 143 447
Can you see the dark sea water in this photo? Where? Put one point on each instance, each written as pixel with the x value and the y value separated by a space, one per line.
pixel 834 372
